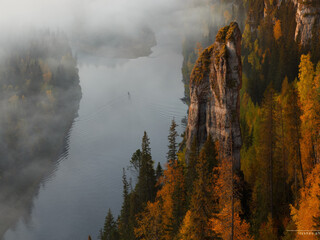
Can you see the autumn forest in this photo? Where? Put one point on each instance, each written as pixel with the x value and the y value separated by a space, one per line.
pixel 160 120
pixel 200 193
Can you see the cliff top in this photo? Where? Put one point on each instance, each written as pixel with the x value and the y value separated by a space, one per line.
pixel 228 33
pixel 201 67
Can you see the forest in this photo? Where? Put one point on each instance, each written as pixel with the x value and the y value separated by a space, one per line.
pixel 39 97
pixel 197 195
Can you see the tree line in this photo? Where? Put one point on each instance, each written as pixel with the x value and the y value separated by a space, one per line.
pixel 201 198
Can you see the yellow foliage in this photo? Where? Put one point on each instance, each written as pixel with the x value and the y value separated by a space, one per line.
pixel 308 204
pixel 157 215
pixel 222 222
pixel 150 223
pixel 309 95
pixel 186 231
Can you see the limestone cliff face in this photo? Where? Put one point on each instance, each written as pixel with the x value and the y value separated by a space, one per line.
pixel 308 20
pixel 214 93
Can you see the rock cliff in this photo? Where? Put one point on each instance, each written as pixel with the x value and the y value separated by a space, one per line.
pixel 308 20
pixel 214 93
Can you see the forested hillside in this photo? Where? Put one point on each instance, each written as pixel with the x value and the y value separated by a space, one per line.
pixel 200 193
pixel 39 96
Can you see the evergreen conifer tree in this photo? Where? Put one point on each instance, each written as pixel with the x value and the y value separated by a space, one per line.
pixel 110 229
pixel 124 226
pixel 209 149
pixel 196 225
pixel 172 153
pixel 159 171
pixel 135 162
pixel 146 180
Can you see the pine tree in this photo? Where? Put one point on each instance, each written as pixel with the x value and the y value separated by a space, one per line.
pixel 268 142
pixel 209 149
pixel 146 180
pixel 161 219
pixel 149 224
pixel 135 162
pixel 196 225
pixel 124 223
pixel 159 171
pixel 135 208
pixel 292 135
pixel 110 231
pixel 263 188
pixel 173 197
pixel 172 153
pixel 309 95
pixel 306 211
pixel 280 161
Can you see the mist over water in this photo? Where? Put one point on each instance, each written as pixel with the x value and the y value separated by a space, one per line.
pixel 129 60
pixel 121 28
pixel 74 201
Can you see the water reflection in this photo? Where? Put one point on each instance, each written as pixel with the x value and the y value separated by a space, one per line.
pixel 73 203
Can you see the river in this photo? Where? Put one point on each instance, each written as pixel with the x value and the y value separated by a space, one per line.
pixel 121 99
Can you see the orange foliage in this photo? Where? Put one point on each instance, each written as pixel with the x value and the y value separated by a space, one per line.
pixel 308 205
pixel 277 33
pixel 150 223
pixel 267 231
pixel 309 94
pixel 222 222
pixel 187 230
pixel 196 224
pixel 157 219
pixel 171 181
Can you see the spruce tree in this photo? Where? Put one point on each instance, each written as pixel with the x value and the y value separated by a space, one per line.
pixel 146 180
pixel 159 171
pixel 269 138
pixel 110 231
pixel 196 225
pixel 172 153
pixel 124 229
pixel 264 188
pixel 135 162
pixel 209 149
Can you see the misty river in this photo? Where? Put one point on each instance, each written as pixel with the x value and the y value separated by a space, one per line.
pixel 121 98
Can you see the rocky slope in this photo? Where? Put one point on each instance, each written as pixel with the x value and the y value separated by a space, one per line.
pixel 214 93
pixel 308 20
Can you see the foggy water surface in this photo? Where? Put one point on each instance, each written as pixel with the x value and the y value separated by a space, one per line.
pixel 74 200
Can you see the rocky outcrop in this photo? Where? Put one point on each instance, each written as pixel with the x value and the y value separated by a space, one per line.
pixel 308 20
pixel 214 93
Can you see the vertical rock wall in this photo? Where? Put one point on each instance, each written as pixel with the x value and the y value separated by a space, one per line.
pixel 308 20
pixel 214 93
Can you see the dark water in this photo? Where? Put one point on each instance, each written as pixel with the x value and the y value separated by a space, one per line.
pixel 75 198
